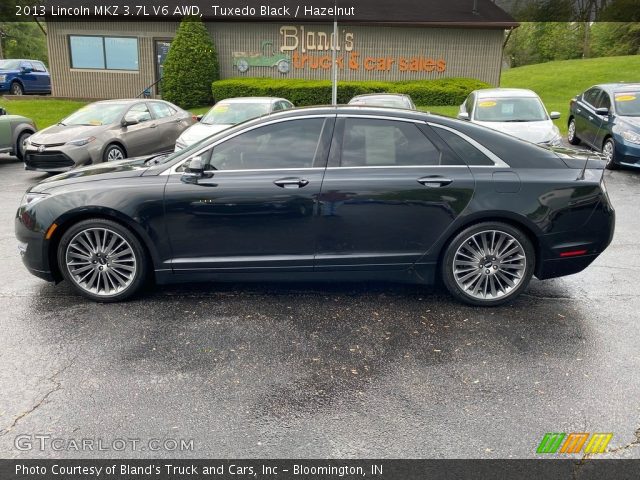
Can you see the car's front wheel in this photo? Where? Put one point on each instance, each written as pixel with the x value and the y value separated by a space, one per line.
pixel 113 153
pixel 609 152
pixel 16 89
pixel 488 264
pixel 102 260
pixel 571 134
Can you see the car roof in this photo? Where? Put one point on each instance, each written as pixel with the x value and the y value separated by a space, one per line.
pixel 381 95
pixel 253 100
pixel 128 101
pixel 505 92
pixel 357 110
pixel 617 86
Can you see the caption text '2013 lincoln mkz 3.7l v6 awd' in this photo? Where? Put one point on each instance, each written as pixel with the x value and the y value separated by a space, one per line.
pixel 345 193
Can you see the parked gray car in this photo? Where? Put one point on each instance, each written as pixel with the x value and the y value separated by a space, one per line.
pixel 394 100
pixel 106 131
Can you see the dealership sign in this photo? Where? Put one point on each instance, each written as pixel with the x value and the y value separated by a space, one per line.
pixel 302 48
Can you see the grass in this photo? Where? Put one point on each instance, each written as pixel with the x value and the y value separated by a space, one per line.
pixel 555 82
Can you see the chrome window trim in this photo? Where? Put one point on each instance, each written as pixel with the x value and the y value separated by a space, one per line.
pixel 405 167
pixel 380 117
pixel 172 170
pixel 498 162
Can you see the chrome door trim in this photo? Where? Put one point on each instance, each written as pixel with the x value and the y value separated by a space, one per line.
pixel 498 162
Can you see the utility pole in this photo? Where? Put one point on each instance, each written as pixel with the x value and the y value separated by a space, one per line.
pixel 334 70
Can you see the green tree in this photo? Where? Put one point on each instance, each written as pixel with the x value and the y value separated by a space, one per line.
pixel 615 38
pixel 23 40
pixel 191 66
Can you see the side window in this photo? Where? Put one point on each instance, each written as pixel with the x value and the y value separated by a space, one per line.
pixel 27 65
pixel 604 101
pixel 277 106
pixel 161 110
pixel 371 142
pixel 140 112
pixel 591 96
pixel 285 105
pixel 466 151
pixel 288 144
pixel 39 67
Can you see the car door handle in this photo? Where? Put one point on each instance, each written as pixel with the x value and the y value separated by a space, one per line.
pixel 153 125
pixel 434 181
pixel 291 182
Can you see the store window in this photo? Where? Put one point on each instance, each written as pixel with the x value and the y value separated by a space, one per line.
pixel 104 53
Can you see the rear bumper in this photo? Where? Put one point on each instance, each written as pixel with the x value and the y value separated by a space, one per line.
pixel 592 238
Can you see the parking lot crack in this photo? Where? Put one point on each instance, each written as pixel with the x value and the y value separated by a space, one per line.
pixel 57 385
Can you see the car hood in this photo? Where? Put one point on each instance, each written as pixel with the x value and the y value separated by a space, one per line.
pixel 633 122
pixel 58 134
pixel 534 132
pixel 197 132
pixel 131 167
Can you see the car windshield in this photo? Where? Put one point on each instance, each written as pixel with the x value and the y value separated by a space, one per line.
pixel 228 113
pixel 510 110
pixel 9 64
pixel 628 103
pixel 381 101
pixel 96 114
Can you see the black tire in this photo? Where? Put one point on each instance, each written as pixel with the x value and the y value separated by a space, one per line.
pixel 110 270
pixel 456 251
pixel 572 136
pixel 16 89
pixel 611 161
pixel 113 150
pixel 20 144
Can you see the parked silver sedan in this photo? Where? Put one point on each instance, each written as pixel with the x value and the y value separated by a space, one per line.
pixel 229 112
pixel 394 100
pixel 106 131
pixel 515 111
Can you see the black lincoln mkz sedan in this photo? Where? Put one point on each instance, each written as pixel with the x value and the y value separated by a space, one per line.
pixel 346 193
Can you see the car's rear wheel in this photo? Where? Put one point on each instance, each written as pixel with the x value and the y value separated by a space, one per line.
pixel 488 264
pixel 102 260
pixel 609 152
pixel 20 146
pixel 16 89
pixel 113 153
pixel 571 134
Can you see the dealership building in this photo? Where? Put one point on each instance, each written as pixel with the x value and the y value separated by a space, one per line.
pixel 459 38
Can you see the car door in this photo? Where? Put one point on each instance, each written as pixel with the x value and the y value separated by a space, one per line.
pixel 168 125
pixel 585 115
pixel 141 138
pixel 43 80
pixel 28 77
pixel 600 123
pixel 255 207
pixel 390 191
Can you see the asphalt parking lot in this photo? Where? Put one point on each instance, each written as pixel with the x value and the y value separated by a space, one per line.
pixel 315 370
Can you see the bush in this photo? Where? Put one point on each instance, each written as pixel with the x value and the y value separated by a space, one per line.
pixel 191 66
pixel 448 91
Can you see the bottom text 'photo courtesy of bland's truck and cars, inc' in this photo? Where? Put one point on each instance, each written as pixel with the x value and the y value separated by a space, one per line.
pixel 337 232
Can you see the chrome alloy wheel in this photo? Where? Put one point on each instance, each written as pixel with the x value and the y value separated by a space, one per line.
pixel 101 262
pixel 608 151
pixel 115 154
pixel 489 265
pixel 572 131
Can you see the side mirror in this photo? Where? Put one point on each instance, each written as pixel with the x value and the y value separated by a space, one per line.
pixel 199 117
pixel 2 111
pixel 554 115
pixel 603 112
pixel 194 170
pixel 464 116
pixel 26 69
pixel 129 120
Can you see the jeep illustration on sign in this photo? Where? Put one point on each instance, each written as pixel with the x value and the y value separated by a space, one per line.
pixel 266 58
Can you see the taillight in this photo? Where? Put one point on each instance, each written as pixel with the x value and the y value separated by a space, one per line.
pixel 573 253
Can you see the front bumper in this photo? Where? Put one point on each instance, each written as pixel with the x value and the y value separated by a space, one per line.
pixel 627 154
pixel 59 158
pixel 31 246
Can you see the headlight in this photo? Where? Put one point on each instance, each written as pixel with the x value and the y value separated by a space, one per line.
pixel 631 137
pixel 3 78
pixel 31 198
pixel 81 141
pixel 556 138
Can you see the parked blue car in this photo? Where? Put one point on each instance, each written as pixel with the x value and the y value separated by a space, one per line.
pixel 607 118
pixel 18 77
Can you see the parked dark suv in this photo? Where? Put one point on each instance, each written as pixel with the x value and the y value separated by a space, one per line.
pixel 607 118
